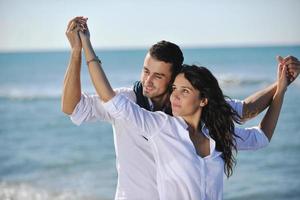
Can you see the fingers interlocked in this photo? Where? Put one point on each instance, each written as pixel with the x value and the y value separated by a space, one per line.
pixel 293 66
pixel 76 24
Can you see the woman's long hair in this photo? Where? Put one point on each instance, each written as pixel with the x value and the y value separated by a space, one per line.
pixel 218 115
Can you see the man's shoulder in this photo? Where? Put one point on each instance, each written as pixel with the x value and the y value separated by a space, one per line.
pixel 126 91
pixel 123 89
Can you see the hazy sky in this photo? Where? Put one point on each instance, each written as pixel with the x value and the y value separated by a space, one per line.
pixel 41 24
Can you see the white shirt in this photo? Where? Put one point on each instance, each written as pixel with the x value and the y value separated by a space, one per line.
pixel 181 173
pixel 134 160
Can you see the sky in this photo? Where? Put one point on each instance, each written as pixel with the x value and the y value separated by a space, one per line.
pixel 28 25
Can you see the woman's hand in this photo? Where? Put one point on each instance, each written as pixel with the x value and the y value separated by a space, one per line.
pixel 84 32
pixel 282 76
pixel 72 32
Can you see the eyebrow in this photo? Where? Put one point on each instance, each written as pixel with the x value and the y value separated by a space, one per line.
pixel 185 87
pixel 160 74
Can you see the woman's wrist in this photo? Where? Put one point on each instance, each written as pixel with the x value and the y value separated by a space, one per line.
pixel 85 41
pixel 95 59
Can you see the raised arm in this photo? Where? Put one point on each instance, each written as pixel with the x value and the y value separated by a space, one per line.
pixel 258 137
pixel 100 82
pixel 72 87
pixel 120 106
pixel 270 119
pixel 257 102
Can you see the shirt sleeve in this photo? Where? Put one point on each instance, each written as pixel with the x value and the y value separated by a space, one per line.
pixel 120 107
pixel 250 138
pixel 237 105
pixel 90 107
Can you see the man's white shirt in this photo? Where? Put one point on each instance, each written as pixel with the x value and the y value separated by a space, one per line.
pixel 134 160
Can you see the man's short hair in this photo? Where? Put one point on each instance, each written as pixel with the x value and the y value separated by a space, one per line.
pixel 169 53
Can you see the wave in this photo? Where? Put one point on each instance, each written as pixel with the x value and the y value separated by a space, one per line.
pixel 24 191
pixel 18 92
pixel 236 80
pixel 30 93
pixel 231 80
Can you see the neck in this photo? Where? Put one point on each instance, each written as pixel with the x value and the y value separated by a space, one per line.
pixel 193 120
pixel 160 102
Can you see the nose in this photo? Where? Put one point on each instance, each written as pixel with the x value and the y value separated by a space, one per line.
pixel 148 80
pixel 175 95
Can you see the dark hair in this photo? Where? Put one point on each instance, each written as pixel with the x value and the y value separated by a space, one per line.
pixel 169 53
pixel 218 115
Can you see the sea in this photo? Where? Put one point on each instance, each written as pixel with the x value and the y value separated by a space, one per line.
pixel 44 156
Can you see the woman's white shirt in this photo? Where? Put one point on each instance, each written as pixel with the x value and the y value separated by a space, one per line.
pixel 181 172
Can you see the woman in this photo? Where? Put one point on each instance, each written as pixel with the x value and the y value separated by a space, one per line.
pixel 194 148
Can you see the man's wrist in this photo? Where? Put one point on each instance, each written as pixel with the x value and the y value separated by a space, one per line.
pixel 76 49
pixel 76 53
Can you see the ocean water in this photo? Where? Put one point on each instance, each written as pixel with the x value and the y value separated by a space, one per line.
pixel 44 156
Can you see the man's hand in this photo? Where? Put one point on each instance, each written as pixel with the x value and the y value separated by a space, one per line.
pixel 72 32
pixel 293 67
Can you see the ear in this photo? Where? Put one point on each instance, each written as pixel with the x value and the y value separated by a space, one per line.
pixel 203 102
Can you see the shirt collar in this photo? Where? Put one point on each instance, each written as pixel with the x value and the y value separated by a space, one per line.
pixel 204 129
pixel 151 105
pixel 183 123
pixel 212 142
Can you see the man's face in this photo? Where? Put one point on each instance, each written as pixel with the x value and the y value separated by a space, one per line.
pixel 155 77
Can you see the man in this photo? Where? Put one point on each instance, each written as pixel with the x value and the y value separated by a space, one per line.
pixel 135 162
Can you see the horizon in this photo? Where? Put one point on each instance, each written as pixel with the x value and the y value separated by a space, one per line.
pixel 141 48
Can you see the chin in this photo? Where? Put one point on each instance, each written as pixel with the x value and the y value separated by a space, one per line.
pixel 174 113
pixel 149 95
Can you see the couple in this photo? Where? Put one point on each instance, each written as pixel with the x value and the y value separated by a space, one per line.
pixel 164 157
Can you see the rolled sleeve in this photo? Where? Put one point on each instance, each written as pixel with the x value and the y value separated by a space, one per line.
pixel 236 105
pixel 250 138
pixel 89 109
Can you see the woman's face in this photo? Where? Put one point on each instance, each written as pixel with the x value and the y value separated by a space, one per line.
pixel 185 99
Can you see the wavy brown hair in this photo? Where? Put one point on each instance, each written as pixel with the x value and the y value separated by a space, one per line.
pixel 218 115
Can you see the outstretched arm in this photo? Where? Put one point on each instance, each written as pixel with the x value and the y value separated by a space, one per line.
pixel 270 119
pixel 257 102
pixel 100 82
pixel 255 138
pixel 71 87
